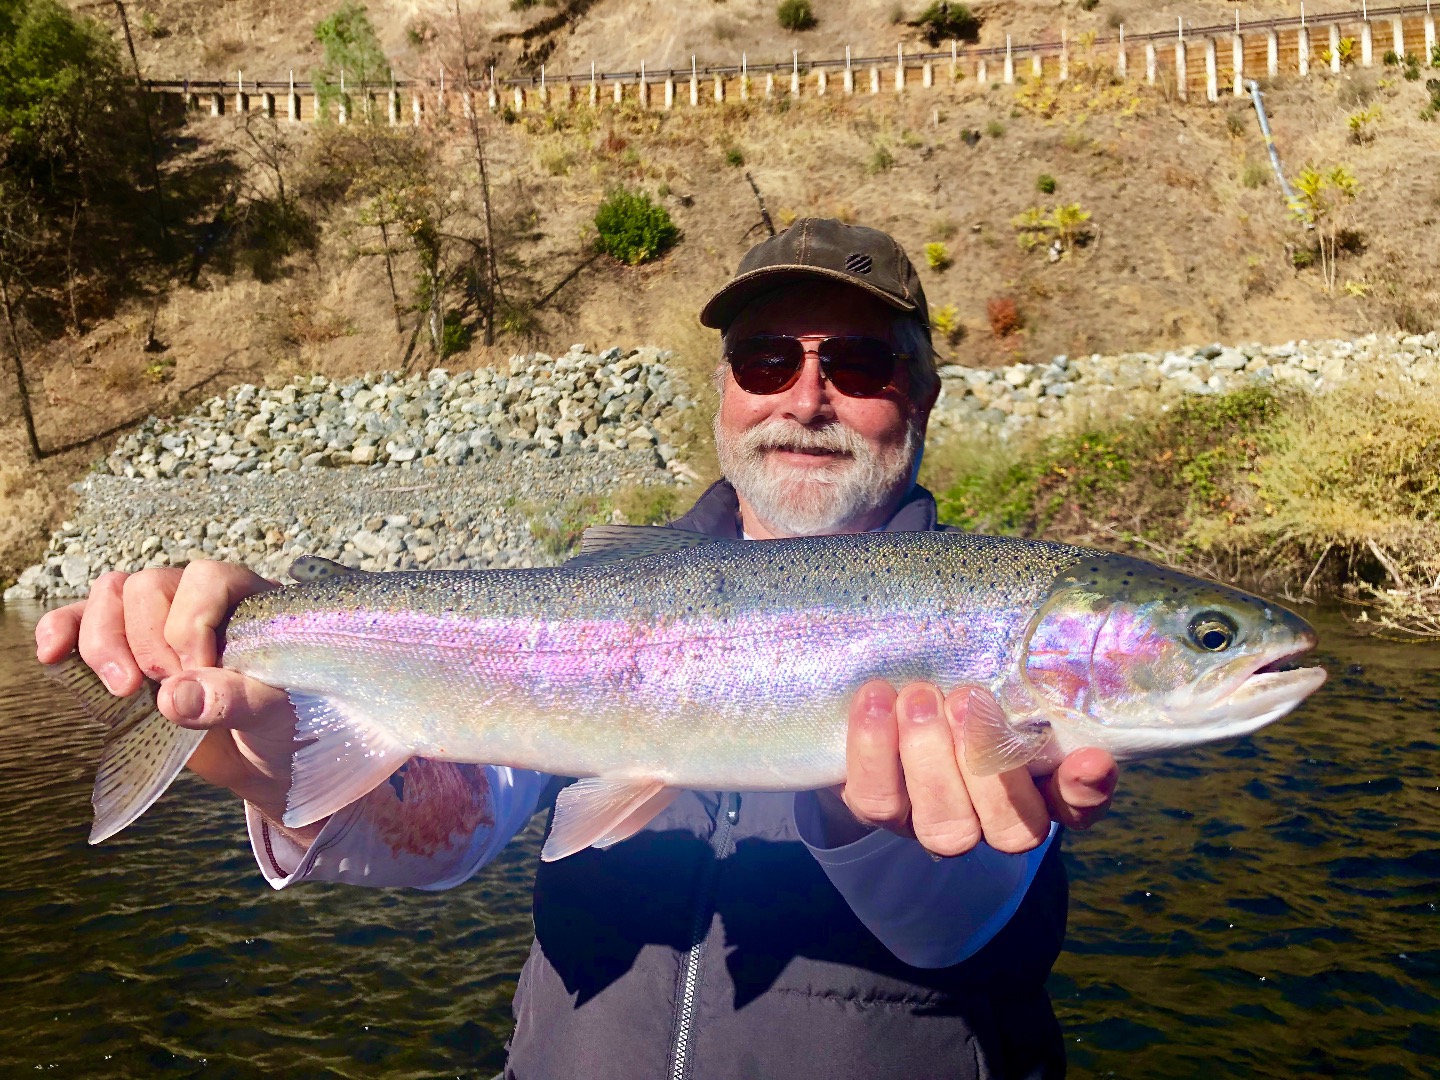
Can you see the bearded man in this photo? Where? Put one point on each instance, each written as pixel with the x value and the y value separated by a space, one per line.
pixel 901 925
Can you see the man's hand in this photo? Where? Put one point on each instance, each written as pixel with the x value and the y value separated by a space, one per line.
pixel 906 773
pixel 163 624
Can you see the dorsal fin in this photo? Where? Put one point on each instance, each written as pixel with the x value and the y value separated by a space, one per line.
pixel 311 568
pixel 615 543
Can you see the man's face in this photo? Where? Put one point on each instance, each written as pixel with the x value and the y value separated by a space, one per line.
pixel 809 460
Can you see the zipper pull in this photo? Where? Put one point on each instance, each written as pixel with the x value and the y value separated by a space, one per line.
pixel 732 807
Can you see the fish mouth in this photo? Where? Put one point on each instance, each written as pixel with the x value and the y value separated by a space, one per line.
pixel 1271 684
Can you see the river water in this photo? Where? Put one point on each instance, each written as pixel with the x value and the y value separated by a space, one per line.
pixel 1268 908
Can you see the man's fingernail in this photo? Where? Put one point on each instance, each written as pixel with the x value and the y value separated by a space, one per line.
pixel 189 699
pixel 921 706
pixel 113 676
pixel 878 703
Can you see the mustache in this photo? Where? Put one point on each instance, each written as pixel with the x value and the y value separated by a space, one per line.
pixel 781 434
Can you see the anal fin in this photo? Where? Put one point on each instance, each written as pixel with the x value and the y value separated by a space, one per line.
pixel 348 759
pixel 992 745
pixel 599 812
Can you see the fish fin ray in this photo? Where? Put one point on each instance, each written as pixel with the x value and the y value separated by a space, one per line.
pixel 641 816
pixel 593 810
pixel 992 745
pixel 311 568
pixel 349 758
pixel 602 544
pixel 143 751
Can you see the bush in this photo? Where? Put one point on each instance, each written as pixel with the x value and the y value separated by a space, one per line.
pixel 1004 315
pixel 944 21
pixel 994 129
pixel 945 321
pixel 632 228
pixel 1254 175
pixel 1045 183
pixel 734 157
pixel 352 46
pixel 1089 5
pixel 795 15
pixel 937 257
pixel 454 335
pixel 881 160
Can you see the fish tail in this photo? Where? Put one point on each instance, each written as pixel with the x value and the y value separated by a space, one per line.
pixel 142 753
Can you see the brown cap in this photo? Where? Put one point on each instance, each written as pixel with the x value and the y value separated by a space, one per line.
pixel 825 248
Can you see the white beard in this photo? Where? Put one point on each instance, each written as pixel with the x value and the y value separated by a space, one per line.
pixel 809 501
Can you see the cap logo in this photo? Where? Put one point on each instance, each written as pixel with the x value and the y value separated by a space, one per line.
pixel 858 264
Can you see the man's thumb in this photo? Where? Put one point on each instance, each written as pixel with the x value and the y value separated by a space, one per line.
pixel 215 698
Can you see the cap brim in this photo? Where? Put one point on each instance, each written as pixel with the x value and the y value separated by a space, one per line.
pixel 726 304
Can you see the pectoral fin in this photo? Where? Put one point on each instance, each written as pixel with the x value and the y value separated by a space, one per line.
pixel 348 759
pixel 598 812
pixel 142 754
pixel 992 744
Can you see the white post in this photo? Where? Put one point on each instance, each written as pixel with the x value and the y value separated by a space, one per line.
pixel 242 99
pixel 822 82
pixel 1152 62
pixel 694 83
pixel 874 80
pixel 644 94
pixel 720 88
pixel 1397 36
pixel 927 75
pixel 1272 53
pixel 1367 44
pixel 417 104
pixel 769 84
pixel 292 105
pixel 1181 65
pixel 1009 62
pixel 795 73
pixel 217 102
pixel 1122 63
pixel 392 106
pixel 1237 62
pixel 594 87
pixel 982 72
pixel 519 99
pixel 1302 44
pixel 1212 73
pixel 544 91
pixel 492 95
pixel 619 92
pixel 849 74
pixel 1037 69
pixel 669 92
pixel 440 99
pixel 744 77
pixel 1430 38
pixel 954 61
pixel 1064 55
pixel 342 111
pixel 1334 49
pixel 899 68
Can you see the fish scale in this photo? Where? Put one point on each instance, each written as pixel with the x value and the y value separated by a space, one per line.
pixel 660 660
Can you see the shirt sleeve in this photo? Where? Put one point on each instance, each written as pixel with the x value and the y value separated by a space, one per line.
pixel 432 825
pixel 929 913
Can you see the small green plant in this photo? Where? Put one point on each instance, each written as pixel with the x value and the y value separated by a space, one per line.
pixel 632 228
pixel 1345 51
pixel 994 129
pixel 1089 5
pixel 1045 184
pixel 1360 123
pixel 1235 124
pixel 945 321
pixel 1065 223
pixel 1435 55
pixel 734 157
pixel 454 335
pixel 1254 175
pixel 352 50
pixel 1412 67
pixel 881 160
pixel 151 26
pixel 1391 58
pixel 795 15
pixel 937 257
pixel 944 21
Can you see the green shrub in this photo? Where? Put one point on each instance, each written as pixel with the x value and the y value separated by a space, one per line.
pixel 1412 67
pixel 945 21
pixel 1045 183
pixel 632 228
pixel 352 46
pixel 455 335
pixel 881 160
pixel 1391 58
pixel 795 15
pixel 994 129
pixel 734 157
pixel 1089 5
pixel 937 257
pixel 1254 175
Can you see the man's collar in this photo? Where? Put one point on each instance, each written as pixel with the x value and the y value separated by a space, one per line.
pixel 717 513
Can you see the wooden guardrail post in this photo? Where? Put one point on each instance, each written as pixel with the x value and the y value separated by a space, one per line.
pixel 1064 55
pixel 874 79
pixel 900 69
pixel 1152 62
pixel 954 60
pixel 849 82
pixel 744 78
pixel 1429 24
pixel 1302 46
pixel 822 82
pixel 1122 62
pixel 267 104
pixel 392 106
pixel 769 85
pixel 1334 49
pixel 720 88
pixel 1237 62
pixel 1397 36
pixel 643 91
pixel 1272 53
pixel 242 99
pixel 1009 76
pixel 417 104
pixel 1367 43
pixel 981 72
pixel 343 105
pixel 669 91
pixel 795 73
pixel 1037 66
pixel 190 101
pixel 217 103
pixel 1181 66
pixel 694 83
pixel 1212 71
pixel 292 102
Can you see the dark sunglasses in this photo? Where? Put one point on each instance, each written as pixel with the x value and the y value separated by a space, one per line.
pixel 860 367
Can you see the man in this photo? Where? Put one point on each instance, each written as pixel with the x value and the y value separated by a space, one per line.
pixel 763 934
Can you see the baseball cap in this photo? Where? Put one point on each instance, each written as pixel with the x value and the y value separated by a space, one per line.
pixel 825 248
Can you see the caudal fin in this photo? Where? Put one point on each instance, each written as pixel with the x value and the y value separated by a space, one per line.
pixel 142 754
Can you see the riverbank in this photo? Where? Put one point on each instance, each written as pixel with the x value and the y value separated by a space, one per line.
pixel 1303 469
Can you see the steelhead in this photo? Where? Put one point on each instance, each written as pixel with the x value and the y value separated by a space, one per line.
pixel 660 660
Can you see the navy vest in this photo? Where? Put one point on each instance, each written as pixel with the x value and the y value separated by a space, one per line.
pixel 711 946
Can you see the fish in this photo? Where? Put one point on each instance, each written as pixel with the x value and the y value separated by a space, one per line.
pixel 660 660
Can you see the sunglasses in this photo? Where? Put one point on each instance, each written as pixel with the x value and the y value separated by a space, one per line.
pixel 859 367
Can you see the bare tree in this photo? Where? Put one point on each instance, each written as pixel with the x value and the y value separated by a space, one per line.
pixel 478 140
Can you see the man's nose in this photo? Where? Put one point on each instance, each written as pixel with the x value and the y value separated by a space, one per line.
pixel 809 399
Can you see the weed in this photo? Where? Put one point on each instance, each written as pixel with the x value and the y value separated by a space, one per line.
pixel 786 217
pixel 946 228
pixel 937 257
pixel 881 160
pixel 994 129
pixel 1320 201
pixel 151 27
pixel 1045 184
pixel 1391 58
pixel 795 15
pixel 647 504
pixel 1235 124
pixel 1254 174
pixel 455 334
pixel 1412 67
pixel 632 228
pixel 1345 50
pixel 945 321
pixel 734 157
pixel 557 160
pixel 1066 223
pixel 1360 124
pixel 1003 315
pixel 1089 5
pixel 945 21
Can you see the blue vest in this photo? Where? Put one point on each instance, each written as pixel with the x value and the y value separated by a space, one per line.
pixel 711 946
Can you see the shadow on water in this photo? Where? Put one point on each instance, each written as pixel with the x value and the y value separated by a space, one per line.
pixel 1268 908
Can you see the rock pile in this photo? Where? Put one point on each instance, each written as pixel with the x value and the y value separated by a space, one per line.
pixel 1008 399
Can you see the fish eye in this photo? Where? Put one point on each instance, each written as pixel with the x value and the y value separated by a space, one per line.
pixel 1213 631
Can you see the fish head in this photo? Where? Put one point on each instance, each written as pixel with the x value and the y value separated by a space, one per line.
pixel 1152 659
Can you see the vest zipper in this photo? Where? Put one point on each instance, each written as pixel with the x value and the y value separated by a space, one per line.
pixel 680 1047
